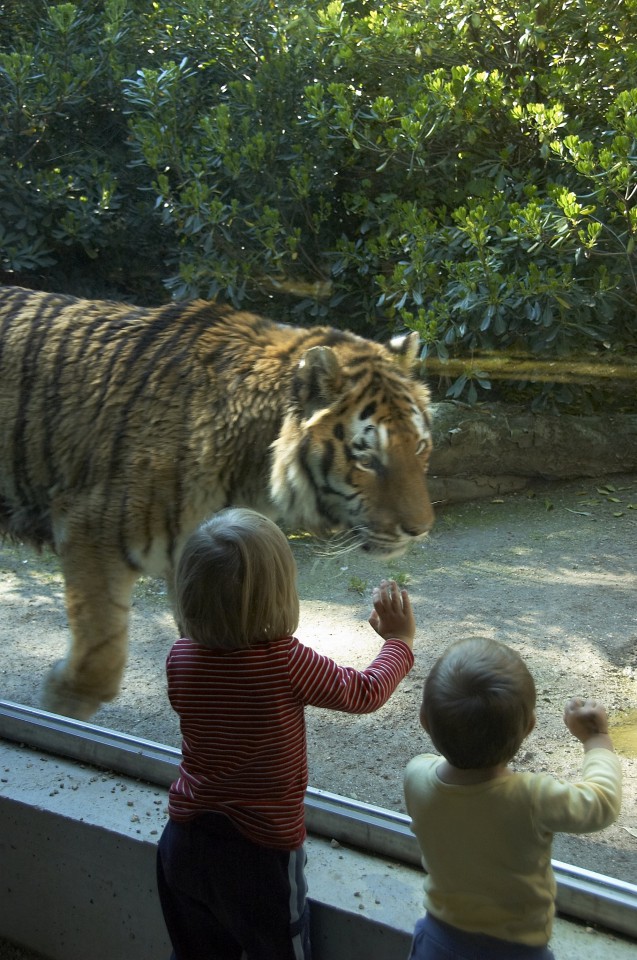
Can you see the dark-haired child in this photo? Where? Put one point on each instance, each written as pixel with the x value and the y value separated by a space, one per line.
pixel 485 832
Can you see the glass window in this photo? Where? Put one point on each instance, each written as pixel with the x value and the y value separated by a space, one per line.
pixel 382 170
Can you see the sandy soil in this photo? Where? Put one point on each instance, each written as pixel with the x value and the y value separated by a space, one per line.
pixel 552 571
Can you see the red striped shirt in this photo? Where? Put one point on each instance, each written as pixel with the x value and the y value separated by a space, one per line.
pixel 242 720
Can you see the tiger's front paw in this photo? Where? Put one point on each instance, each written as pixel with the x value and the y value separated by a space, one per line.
pixel 59 696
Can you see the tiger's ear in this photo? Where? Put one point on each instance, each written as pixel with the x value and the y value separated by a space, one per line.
pixel 317 380
pixel 406 348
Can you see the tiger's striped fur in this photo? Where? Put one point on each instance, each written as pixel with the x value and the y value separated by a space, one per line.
pixel 123 427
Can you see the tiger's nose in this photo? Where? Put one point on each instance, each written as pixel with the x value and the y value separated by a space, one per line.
pixel 417 532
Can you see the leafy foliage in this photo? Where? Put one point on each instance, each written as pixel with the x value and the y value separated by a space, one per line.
pixel 466 170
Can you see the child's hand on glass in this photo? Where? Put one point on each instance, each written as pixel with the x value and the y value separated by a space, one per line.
pixel 392 616
pixel 588 721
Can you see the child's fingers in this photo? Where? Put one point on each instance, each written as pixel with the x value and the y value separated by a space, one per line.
pixel 391 604
pixel 406 600
pixel 389 593
pixel 582 705
pixel 380 596
pixel 585 716
pixel 573 704
pixel 392 614
pixel 377 599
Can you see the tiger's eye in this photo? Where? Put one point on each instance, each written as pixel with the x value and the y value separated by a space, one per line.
pixel 368 411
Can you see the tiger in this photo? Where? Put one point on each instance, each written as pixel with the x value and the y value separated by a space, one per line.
pixel 123 427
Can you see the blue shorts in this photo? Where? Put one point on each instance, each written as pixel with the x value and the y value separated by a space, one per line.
pixel 224 897
pixel 435 940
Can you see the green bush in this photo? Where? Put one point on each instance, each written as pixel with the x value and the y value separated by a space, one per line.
pixel 75 212
pixel 464 170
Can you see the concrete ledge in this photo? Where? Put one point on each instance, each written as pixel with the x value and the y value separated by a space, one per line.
pixel 77 847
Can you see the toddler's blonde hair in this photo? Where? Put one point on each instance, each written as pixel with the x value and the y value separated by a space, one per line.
pixel 235 583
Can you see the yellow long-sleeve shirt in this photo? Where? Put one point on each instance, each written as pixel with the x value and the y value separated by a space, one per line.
pixel 487 847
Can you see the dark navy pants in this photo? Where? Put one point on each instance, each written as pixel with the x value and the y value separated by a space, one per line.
pixel 226 898
pixel 435 940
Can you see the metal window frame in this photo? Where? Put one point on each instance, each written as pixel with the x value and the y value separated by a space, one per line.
pixel 582 894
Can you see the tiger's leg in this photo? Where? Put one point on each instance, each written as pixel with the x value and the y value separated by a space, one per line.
pixel 98 601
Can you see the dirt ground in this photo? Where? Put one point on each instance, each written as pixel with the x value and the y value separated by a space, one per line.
pixel 551 571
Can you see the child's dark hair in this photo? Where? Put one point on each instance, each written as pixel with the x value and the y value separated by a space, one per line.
pixel 235 583
pixel 478 704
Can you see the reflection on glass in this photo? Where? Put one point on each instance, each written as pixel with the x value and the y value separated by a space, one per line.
pixel 470 177
pixel 549 570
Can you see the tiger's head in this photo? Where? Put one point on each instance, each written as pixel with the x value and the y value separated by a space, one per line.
pixel 354 447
